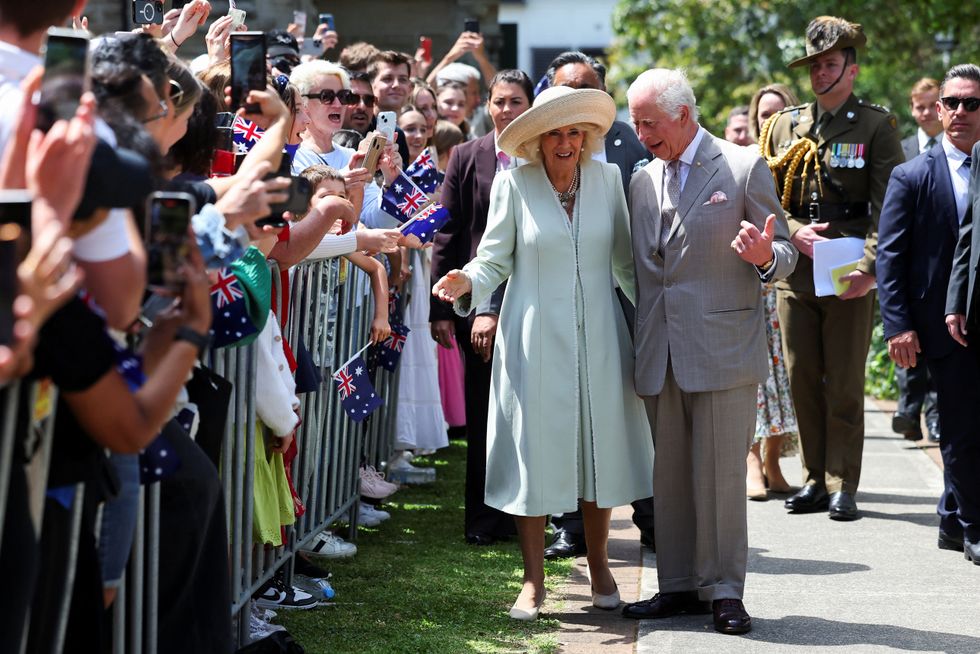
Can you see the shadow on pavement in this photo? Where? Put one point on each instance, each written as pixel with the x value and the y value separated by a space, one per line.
pixel 922 519
pixel 807 630
pixel 771 565
pixel 892 498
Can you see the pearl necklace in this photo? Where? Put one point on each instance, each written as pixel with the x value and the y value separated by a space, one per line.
pixel 567 196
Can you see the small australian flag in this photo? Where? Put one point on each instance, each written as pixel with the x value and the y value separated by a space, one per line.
pixel 245 134
pixel 231 322
pixel 390 350
pixel 403 199
pixel 357 395
pixel 428 222
pixel 424 172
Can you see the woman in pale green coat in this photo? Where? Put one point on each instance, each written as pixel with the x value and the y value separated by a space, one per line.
pixel 565 423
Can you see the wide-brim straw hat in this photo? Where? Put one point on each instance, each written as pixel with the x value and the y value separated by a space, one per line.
pixel 556 107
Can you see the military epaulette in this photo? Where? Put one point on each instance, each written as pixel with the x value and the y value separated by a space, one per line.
pixel 877 107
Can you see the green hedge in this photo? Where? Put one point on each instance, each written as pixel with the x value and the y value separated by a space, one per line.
pixel 879 381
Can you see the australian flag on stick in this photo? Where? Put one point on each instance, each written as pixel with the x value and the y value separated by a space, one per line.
pixel 424 172
pixel 390 350
pixel 357 394
pixel 404 199
pixel 426 223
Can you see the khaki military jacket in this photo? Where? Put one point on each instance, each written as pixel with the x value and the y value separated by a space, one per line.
pixel 857 150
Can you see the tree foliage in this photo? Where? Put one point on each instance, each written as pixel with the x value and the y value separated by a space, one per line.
pixel 730 48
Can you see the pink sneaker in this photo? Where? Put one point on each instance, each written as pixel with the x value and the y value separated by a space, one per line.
pixel 373 484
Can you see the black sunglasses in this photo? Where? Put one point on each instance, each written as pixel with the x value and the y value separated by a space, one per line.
pixel 952 102
pixel 326 96
pixel 366 98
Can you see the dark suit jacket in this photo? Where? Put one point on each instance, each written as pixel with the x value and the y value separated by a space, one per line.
pixel 466 194
pixel 917 235
pixel 624 150
pixel 962 296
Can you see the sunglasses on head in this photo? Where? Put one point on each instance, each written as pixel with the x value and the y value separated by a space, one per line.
pixel 952 102
pixel 326 96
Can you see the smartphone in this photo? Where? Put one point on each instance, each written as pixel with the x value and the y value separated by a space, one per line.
pixel 148 12
pixel 472 25
pixel 386 125
pixel 300 192
pixel 226 139
pixel 299 19
pixel 248 70
pixel 224 119
pixel 375 149
pixel 327 19
pixel 237 18
pixel 167 217
pixel 426 44
pixel 65 77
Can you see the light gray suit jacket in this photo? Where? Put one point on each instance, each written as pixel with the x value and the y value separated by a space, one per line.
pixel 701 301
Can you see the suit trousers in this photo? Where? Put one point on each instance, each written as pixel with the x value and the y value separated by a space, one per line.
pixel 479 519
pixel 702 440
pixel 825 342
pixel 916 392
pixel 957 378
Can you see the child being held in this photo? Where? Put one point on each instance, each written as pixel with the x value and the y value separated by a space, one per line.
pixel 327 181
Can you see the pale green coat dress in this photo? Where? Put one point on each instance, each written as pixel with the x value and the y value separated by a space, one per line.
pixel 563 355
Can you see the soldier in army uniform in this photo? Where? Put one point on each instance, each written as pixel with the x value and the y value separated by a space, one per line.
pixel 831 160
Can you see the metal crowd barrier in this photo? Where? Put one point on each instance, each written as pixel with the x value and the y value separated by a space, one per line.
pixel 330 312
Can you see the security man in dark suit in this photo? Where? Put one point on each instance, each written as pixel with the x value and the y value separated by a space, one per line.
pixel 580 71
pixel 926 201
pixel 916 390
pixel 831 160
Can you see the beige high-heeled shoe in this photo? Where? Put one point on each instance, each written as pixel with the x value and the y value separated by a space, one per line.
pixel 606 602
pixel 527 615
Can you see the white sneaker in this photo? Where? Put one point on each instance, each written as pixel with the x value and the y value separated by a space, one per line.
pixel 401 463
pixel 365 517
pixel 366 510
pixel 259 626
pixel 330 546
pixel 373 484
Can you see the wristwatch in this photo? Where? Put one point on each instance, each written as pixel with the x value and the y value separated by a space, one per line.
pixel 197 339
pixel 764 268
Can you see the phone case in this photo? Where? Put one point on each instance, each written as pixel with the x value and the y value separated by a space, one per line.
pixel 375 148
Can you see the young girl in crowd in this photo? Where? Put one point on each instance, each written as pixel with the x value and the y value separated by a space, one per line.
pixel 451 104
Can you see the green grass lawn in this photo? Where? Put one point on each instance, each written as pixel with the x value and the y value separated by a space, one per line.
pixel 416 586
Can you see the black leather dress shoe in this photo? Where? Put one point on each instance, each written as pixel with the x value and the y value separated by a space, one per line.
pixel 907 426
pixel 933 429
pixel 482 540
pixel 565 546
pixel 665 605
pixel 731 617
pixel 808 499
pixel 952 543
pixel 971 550
pixel 647 539
pixel 843 507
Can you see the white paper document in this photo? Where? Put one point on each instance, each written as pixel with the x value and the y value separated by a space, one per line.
pixel 833 253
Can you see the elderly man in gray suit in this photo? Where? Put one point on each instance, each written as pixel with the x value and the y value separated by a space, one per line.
pixel 707 228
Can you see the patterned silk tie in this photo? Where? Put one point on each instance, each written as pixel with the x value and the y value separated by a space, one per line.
pixel 930 144
pixel 968 162
pixel 671 197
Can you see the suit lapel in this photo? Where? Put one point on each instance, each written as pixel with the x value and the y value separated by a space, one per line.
pixel 703 168
pixel 841 122
pixel 944 202
pixel 805 122
pixel 615 154
pixel 486 168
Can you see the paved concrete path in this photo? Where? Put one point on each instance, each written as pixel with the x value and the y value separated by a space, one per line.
pixel 879 584
pixel 875 585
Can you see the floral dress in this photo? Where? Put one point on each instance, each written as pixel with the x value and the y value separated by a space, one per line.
pixel 774 404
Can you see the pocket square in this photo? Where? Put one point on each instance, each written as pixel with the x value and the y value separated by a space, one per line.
pixel 717 198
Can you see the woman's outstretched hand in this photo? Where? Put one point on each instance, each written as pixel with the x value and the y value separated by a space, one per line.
pixel 454 285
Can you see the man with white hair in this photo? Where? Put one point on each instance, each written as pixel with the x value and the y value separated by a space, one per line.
pixel 707 227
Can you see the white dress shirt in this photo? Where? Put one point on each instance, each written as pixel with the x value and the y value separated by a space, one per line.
pixel 959 175
pixel 924 139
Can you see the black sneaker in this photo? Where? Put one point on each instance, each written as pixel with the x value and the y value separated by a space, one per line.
pixel 276 595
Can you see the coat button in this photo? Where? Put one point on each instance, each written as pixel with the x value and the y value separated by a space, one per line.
pixel 280 366
pixel 278 338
